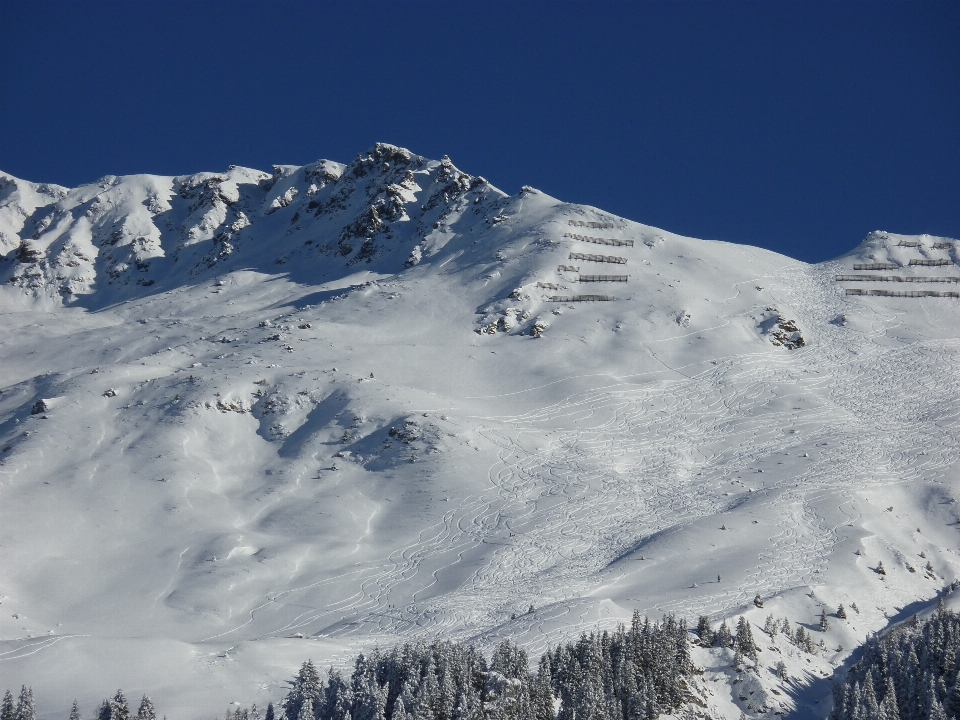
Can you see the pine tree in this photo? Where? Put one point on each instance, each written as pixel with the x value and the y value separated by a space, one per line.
pixel 841 612
pixel 120 708
pixel 254 712
pixel 146 711
pixel 723 638
pixel 952 701
pixel 824 623
pixel 770 626
pixel 704 631
pixel 781 670
pixel 306 710
pixel 7 709
pixel 338 698
pixel 306 686
pixel 869 699
pixel 881 570
pixel 889 710
pixel 270 712
pixel 937 711
pixel 25 707
pixel 744 642
pixel 737 663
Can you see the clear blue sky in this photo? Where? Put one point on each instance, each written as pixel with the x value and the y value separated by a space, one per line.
pixel 796 126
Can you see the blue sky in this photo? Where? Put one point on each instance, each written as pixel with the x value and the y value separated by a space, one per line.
pixel 796 126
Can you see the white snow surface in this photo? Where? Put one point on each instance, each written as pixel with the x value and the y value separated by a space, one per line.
pixel 249 418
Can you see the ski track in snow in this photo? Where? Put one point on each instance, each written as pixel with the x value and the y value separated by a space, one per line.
pixel 617 466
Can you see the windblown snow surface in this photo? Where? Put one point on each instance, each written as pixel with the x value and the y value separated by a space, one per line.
pixel 252 418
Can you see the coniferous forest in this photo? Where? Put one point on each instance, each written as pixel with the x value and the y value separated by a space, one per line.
pixel 635 673
pixel 910 673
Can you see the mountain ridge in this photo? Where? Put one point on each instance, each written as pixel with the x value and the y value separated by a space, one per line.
pixel 416 425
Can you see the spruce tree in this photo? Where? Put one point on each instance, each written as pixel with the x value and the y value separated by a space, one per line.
pixel 305 711
pixel 824 623
pixel 936 709
pixel 744 641
pixel 952 701
pixel 306 686
pixel 723 638
pixel 25 707
pixel 704 631
pixel 770 626
pixel 119 706
pixel 7 708
pixel 841 612
pixel 270 715
pixel 869 699
pixel 75 711
pixel 146 711
pixel 889 710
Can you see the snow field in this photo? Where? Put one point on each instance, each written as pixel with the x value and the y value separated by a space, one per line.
pixel 336 453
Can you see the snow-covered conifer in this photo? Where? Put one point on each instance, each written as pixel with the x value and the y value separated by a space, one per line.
pixel 744 642
pixel 770 626
pixel 305 711
pixel 7 708
pixel 704 631
pixel 841 612
pixel 25 706
pixel 146 711
pixel 723 638
pixel 119 706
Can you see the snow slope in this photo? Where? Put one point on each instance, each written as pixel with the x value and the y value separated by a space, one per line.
pixel 250 418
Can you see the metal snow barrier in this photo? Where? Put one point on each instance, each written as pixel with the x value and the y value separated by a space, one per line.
pixel 600 241
pixel 875 266
pixel 581 298
pixel 908 243
pixel 604 278
pixel 931 263
pixel 591 224
pixel 548 286
pixel 943 246
pixel 899 278
pixel 567 268
pixel 598 258
pixel 904 293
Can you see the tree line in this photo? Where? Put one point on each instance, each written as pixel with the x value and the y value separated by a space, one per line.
pixel 910 673
pixel 634 673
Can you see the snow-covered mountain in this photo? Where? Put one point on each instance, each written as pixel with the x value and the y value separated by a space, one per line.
pixel 250 418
